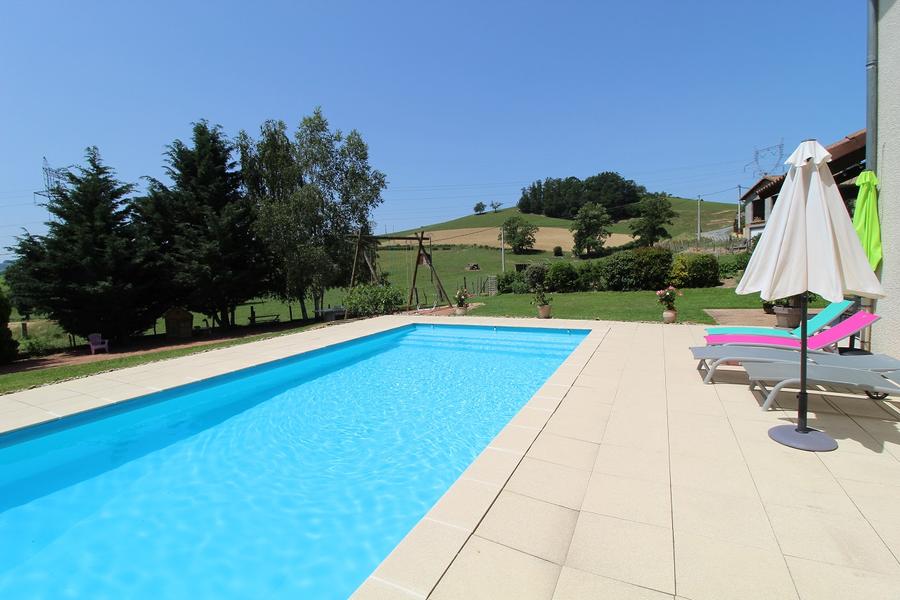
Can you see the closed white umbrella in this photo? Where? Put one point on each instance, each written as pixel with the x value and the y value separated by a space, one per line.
pixel 809 245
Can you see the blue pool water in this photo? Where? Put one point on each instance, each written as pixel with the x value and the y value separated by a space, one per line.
pixel 289 480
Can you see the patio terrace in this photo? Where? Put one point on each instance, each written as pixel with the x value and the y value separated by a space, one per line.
pixel 623 477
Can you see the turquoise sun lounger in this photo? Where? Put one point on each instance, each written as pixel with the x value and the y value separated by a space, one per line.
pixel 817 322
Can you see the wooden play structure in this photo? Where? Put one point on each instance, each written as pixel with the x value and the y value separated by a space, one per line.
pixel 366 253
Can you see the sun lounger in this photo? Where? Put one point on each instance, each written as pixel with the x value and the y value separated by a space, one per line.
pixel 840 379
pixel 849 326
pixel 817 322
pixel 712 357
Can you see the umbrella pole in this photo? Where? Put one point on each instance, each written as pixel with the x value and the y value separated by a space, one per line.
pixel 803 397
pixel 802 437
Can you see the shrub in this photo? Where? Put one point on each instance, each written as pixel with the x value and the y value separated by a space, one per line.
pixel 732 265
pixel 695 270
pixel 640 269
pixel 590 275
pixel 8 345
pixel 653 266
pixel 535 275
pixel 618 272
pixel 561 277
pixel 505 281
pixel 557 251
pixel 519 287
pixel 368 300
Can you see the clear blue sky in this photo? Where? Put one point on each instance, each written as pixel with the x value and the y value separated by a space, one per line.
pixel 459 101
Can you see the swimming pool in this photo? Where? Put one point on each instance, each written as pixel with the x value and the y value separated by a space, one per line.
pixel 293 479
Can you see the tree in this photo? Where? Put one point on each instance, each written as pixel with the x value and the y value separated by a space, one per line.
pixel 655 212
pixel 8 345
pixel 496 205
pixel 519 234
pixel 337 166
pixel 204 227
pixel 314 195
pixel 92 272
pixel 480 208
pixel 590 229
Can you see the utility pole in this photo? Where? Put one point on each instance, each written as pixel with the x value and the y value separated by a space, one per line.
pixel 502 251
pixel 699 200
pixel 739 211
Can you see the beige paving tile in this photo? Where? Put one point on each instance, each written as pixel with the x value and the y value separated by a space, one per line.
pixel 710 569
pixel 627 498
pixel 465 503
pixel 550 482
pixel 585 427
pixel 575 584
pixel 741 520
pixel 419 560
pixel 876 468
pixel 550 390
pixel 566 451
pixel 637 429
pixel 532 526
pixel 822 581
pixel 712 473
pixel 73 404
pixel 541 403
pixel 836 539
pixel 530 417
pixel 374 589
pixel 702 435
pixel 23 416
pixel 485 570
pixel 492 466
pixel 636 463
pixel 635 553
pixel 514 438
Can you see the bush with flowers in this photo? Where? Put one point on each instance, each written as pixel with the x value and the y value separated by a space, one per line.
pixel 667 296
pixel 461 297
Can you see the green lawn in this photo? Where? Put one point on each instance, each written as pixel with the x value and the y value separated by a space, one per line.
pixel 450 263
pixel 12 382
pixel 619 306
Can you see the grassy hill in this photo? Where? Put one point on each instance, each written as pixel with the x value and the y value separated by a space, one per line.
pixel 489 219
pixel 713 215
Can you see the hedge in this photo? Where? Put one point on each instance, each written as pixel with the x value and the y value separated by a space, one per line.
pixel 695 271
pixel 369 300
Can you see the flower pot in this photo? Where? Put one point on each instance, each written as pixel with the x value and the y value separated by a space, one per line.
pixel 787 316
pixel 670 316
pixel 461 311
pixel 544 311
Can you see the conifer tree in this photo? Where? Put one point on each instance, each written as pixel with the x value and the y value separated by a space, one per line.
pixel 90 272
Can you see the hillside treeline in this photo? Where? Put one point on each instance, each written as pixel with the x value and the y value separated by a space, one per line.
pixel 563 198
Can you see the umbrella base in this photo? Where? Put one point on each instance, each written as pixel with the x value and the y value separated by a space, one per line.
pixel 812 440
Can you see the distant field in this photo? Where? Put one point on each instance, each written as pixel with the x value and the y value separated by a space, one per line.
pixel 713 215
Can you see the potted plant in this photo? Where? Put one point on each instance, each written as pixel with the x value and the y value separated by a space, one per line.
pixel 666 297
pixel 462 301
pixel 542 302
pixel 768 307
pixel 787 310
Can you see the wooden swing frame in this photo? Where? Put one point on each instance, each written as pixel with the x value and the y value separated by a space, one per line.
pixel 422 257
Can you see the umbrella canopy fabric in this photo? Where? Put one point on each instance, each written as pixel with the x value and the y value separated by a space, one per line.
pixel 809 243
pixel 865 217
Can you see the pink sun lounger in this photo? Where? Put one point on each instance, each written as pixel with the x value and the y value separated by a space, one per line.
pixel 851 325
